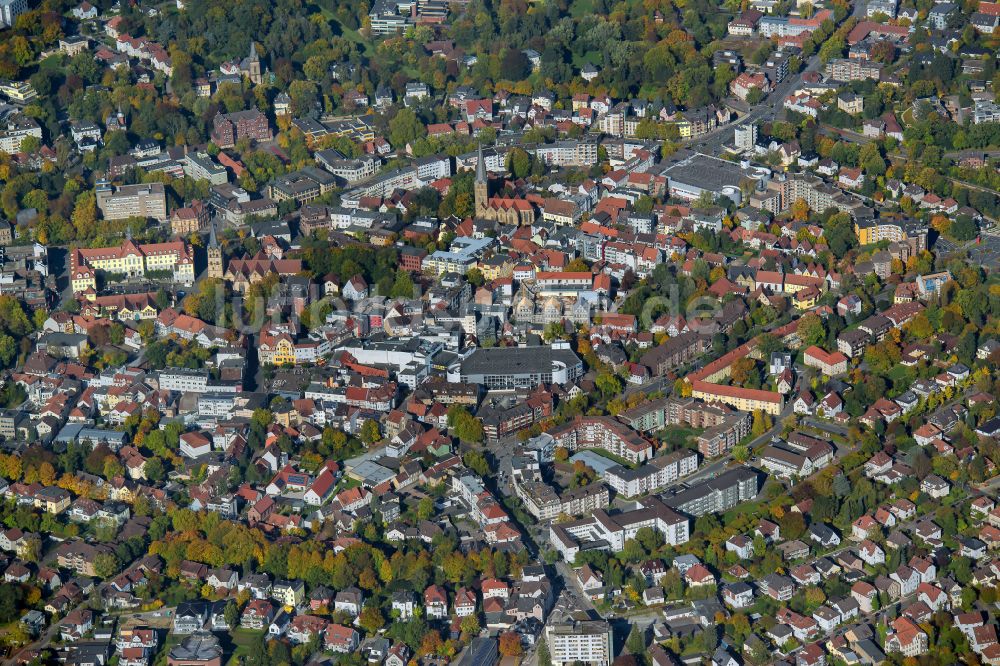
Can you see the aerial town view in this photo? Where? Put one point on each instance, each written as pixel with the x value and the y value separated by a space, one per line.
pixel 499 332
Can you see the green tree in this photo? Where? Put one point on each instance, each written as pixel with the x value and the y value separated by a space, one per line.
pixel 232 614
pixel 544 656
pixel 608 384
pixel 477 462
pixel 519 163
pixel 405 127
pixel 105 565
pixel 755 96
pixel 369 433
pixel 635 644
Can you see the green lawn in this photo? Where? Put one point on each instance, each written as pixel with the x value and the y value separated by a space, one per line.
pixel 243 640
pixel 677 437
pixel 345 32
pixel 581 8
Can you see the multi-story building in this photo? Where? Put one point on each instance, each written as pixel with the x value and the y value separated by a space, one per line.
pixel 184 380
pixel 852 69
pixel 597 432
pixel 743 399
pixel 568 153
pixel 723 437
pixel 545 503
pixel 349 170
pixel 18 91
pixel 745 136
pixel 130 260
pixel 604 531
pixel 652 476
pixel 119 203
pixel 10 10
pixel 303 185
pixel 200 166
pixel 588 642
pixel 189 219
pixel 676 351
pixel 18 129
pixel 871 231
pixel 228 128
pixel 714 495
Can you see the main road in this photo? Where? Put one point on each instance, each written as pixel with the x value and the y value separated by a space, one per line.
pixel 712 142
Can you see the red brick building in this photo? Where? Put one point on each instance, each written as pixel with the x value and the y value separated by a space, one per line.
pixel 228 128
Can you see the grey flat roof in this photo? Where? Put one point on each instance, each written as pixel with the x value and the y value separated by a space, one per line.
pixel 516 360
pixel 705 172
pixel 721 482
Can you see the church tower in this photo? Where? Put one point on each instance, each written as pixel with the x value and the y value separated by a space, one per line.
pixel 251 65
pixel 482 187
pixel 215 269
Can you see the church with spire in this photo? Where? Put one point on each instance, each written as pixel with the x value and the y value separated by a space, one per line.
pixel 250 66
pixel 505 210
pixel 215 268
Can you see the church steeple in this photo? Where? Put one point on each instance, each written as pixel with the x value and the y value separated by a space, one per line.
pixel 215 269
pixel 213 242
pixel 251 65
pixel 481 189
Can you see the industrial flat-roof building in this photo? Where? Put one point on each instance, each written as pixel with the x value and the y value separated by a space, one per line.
pixel 698 173
pixel 506 368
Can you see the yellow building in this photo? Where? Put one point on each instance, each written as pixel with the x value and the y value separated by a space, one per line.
pixel 805 299
pixel 131 260
pixel 276 347
pixel 743 399
pixel 496 267
pixel 870 232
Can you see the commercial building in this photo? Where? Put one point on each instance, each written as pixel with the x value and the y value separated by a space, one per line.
pixel 715 495
pixel 463 255
pixel 119 203
pixel 698 174
pixel 508 368
pixel 587 642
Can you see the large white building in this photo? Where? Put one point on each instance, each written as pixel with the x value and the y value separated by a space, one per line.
pixel 652 476
pixel 603 531
pixel 10 10
pixel 745 136
pixel 144 200
pixel 588 642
